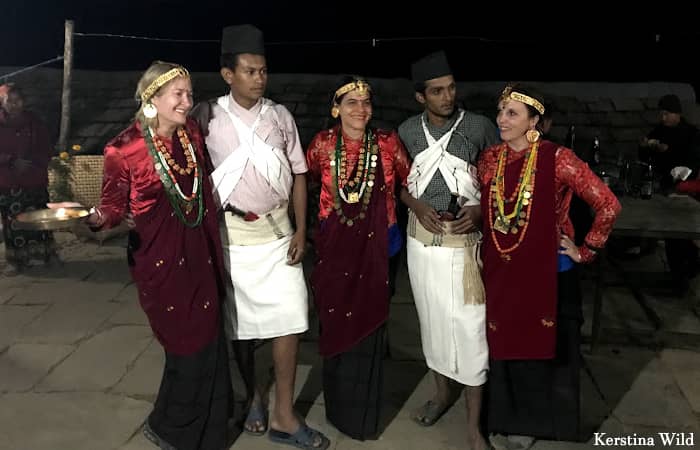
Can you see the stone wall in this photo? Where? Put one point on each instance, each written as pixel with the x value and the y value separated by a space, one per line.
pixel 103 104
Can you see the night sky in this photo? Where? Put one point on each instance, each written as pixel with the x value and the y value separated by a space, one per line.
pixel 336 37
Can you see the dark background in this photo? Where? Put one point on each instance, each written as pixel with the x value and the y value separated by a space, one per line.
pixel 571 42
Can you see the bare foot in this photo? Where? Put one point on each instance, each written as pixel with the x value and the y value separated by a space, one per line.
pixel 256 421
pixel 430 412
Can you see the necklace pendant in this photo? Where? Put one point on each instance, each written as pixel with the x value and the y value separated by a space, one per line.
pixel 505 257
pixel 354 197
pixel 501 225
pixel 188 207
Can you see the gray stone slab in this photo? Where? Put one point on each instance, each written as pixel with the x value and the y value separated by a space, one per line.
pixel 41 293
pixel 18 281
pixel 65 291
pixel 621 311
pixel 655 386
pixel 127 295
pixel 13 319
pixel 111 270
pixel 675 313
pixel 144 375
pixel 8 293
pixel 129 313
pixel 315 418
pixel 404 434
pixel 615 369
pixel 23 365
pixel 72 268
pixel 89 369
pixel 75 421
pixel 685 368
pixel 68 322
pixel 594 410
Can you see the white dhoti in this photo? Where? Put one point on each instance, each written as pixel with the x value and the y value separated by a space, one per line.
pixel 268 297
pixel 452 318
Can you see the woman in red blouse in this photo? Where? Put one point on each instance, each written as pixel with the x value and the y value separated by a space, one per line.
pixel 360 170
pixel 24 157
pixel 155 171
pixel 533 303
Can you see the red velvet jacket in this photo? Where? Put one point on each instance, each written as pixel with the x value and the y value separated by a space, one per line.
pixel 24 137
pixel 178 270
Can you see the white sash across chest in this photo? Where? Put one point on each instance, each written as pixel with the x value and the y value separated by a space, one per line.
pixel 269 161
pixel 459 175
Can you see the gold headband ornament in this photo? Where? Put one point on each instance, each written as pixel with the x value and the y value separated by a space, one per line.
pixel 510 94
pixel 162 81
pixel 360 86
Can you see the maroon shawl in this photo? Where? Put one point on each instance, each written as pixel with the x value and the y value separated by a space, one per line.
pixel 521 294
pixel 351 279
pixel 178 270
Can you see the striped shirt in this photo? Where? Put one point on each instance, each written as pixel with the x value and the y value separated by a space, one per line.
pixel 472 135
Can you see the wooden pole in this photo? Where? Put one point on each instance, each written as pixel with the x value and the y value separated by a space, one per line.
pixel 65 95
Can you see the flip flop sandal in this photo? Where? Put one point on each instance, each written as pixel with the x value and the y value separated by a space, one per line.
pixel 303 438
pixel 257 414
pixel 429 413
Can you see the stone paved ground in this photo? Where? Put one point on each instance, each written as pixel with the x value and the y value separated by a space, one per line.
pixel 79 367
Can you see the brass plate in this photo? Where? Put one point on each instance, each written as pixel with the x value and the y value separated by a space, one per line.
pixel 51 219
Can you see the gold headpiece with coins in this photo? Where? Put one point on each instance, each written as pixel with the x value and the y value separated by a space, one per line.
pixel 510 94
pixel 361 86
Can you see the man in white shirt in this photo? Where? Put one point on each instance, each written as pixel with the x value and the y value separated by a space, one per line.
pixel 260 167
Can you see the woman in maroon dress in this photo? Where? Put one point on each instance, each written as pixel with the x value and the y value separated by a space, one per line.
pixel 360 170
pixel 533 303
pixel 24 157
pixel 154 171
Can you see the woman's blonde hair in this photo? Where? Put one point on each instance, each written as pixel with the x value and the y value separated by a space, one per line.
pixel 152 82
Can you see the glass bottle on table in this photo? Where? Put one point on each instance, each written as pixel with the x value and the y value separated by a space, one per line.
pixel 621 183
pixel 647 186
pixel 570 138
pixel 595 152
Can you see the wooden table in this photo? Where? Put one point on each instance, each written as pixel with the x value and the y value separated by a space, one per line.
pixel 661 217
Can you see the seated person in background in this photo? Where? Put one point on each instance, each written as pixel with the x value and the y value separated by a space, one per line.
pixel 673 142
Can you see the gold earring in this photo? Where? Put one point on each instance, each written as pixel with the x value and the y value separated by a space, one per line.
pixel 335 112
pixel 532 136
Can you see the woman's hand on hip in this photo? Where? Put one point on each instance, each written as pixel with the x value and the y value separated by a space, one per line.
pixel 567 247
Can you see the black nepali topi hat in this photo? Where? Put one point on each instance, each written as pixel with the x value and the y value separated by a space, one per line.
pixel 434 65
pixel 242 39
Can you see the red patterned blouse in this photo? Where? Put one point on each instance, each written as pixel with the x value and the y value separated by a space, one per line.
pixel 571 176
pixel 394 163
